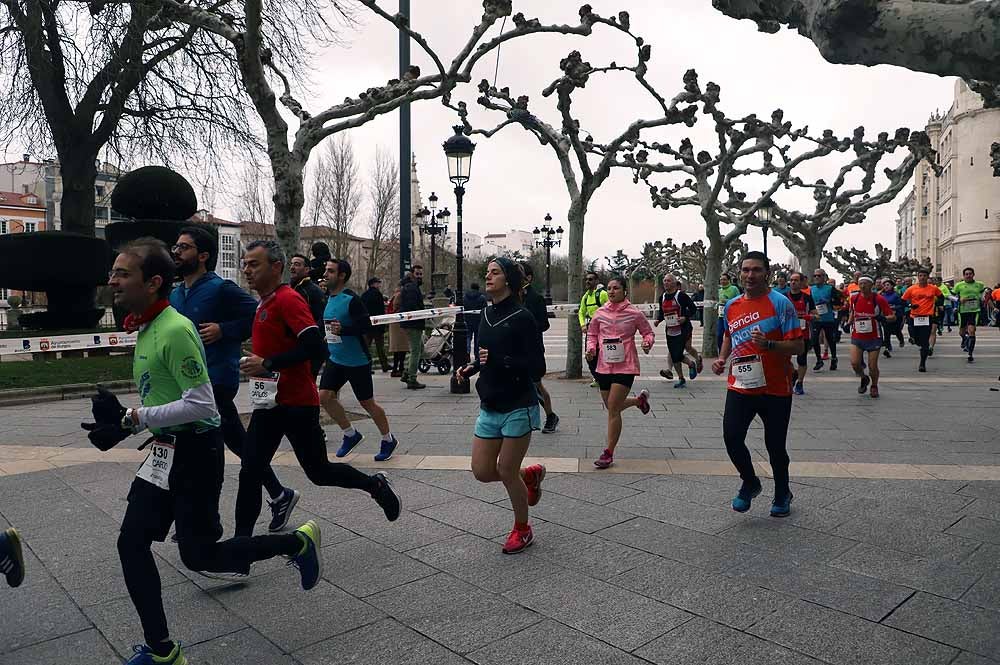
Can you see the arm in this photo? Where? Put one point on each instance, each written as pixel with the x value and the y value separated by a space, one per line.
pixel 593 335
pixel 240 308
pixel 360 317
pixel 646 330
pixel 659 311
pixel 581 313
pixel 317 303
pixel 311 347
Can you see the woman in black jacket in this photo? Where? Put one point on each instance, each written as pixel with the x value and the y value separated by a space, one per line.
pixel 510 361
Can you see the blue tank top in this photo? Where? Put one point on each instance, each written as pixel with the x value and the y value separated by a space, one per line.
pixel 822 294
pixel 349 352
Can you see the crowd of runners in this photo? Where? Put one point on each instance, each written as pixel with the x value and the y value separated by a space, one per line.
pixel 189 357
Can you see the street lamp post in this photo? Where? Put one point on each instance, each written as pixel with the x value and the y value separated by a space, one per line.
pixel 434 225
pixel 458 150
pixel 765 212
pixel 543 238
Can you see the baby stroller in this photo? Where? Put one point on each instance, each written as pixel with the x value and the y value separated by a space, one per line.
pixel 438 349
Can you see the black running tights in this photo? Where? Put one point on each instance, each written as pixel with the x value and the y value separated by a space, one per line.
pixel 775 413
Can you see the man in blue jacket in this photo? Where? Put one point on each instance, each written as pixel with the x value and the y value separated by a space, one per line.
pixel 223 314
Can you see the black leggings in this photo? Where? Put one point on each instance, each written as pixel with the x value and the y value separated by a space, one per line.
pixel 830 328
pixel 922 336
pixel 774 412
pixel 399 361
pixel 192 504
pixel 301 425
pixel 234 435
pixel 890 328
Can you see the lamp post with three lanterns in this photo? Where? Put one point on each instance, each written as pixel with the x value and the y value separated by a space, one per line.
pixel 543 238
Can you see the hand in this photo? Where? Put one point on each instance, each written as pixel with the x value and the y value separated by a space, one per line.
pixel 484 355
pixel 252 365
pixel 333 326
pixel 463 373
pixel 759 339
pixel 106 408
pixel 210 333
pixel 104 437
pixel 590 355
pixel 656 324
pixel 646 346
pixel 719 366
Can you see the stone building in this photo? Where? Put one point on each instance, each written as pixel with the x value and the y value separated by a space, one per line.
pixel 956 217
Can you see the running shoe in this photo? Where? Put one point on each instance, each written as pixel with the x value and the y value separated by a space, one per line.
pixel 782 506
pixel 826 355
pixel 386 448
pixel 887 354
pixel 971 359
pixel 143 655
pixel 593 384
pixel 692 372
pixel 282 509
pixel 930 352
pixel 798 389
pixel 922 368
pixel 349 442
pixel 700 364
pixel 681 383
pixel 833 365
pixel 873 392
pixel 233 576
pixel 533 476
pixel 518 541
pixel 643 398
pixel 818 366
pixel 551 424
pixel 605 460
pixel 11 557
pixel 748 492
pixel 667 374
pixel 309 560
pixel 863 388
pixel 415 385
pixel 386 497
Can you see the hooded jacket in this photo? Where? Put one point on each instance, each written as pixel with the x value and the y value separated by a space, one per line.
pixel 618 320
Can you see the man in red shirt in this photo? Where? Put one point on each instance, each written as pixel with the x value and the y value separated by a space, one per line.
pixel 867 310
pixel 283 392
pixel 762 333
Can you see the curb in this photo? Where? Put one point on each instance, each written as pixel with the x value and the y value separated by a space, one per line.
pixel 18 396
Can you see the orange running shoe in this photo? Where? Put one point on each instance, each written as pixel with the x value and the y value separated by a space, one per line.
pixel 533 476
pixel 518 541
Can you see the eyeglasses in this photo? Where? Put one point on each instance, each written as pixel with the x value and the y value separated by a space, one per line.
pixel 182 247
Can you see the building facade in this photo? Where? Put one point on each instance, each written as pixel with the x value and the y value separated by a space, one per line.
pixel 956 216
pixel 21 212
pixel 521 242
pixel 906 227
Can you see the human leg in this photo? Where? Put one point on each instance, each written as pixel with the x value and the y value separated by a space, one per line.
pixel 330 399
pixel 546 399
pixel 416 339
pixel 379 338
pixel 922 335
pixel 775 413
pixel 512 452
pixel 739 413
pixel 484 459
pixel 617 401
pixel 873 371
pixel 234 435
pixel 262 441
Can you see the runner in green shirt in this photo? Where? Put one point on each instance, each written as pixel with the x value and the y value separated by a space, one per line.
pixel 592 300
pixel 181 479
pixel 970 301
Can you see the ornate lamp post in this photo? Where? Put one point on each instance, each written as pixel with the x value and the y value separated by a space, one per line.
pixel 433 225
pixel 458 150
pixel 764 215
pixel 543 238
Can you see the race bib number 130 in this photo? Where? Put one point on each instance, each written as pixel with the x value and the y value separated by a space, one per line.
pixel 156 468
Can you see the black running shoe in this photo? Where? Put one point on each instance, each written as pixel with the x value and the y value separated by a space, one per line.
pixel 11 557
pixel 282 509
pixel 833 364
pixel 930 352
pixel 551 423
pixel 818 366
pixel 386 497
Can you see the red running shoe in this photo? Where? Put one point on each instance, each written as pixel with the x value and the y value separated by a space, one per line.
pixel 643 398
pixel 533 476
pixel 518 541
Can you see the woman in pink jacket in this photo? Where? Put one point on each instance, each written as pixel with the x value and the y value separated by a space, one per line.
pixel 611 340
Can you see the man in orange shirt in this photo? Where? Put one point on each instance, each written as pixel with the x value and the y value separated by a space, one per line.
pixel 923 298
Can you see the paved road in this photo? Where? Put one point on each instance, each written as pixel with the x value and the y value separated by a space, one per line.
pixel 628 567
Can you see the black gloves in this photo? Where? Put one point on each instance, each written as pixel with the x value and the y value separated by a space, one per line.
pixel 107 432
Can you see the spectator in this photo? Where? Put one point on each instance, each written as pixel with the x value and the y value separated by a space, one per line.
pixel 301 280
pixel 374 302
pixel 474 300
pixel 449 293
pixel 412 300
pixel 398 343
pixel 321 254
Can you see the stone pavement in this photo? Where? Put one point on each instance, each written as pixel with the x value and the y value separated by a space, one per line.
pixel 892 554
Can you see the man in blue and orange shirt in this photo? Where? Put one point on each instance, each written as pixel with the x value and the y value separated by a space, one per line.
pixel 762 334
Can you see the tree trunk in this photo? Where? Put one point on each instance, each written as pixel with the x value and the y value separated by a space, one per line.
pixel 289 197
pixel 713 271
pixel 79 173
pixel 810 254
pixel 574 336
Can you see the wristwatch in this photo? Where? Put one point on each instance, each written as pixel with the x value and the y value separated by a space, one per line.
pixel 128 423
pixel 266 364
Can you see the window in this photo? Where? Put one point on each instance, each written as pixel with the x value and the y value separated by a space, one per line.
pixel 30 227
pixel 31 200
pixel 3 226
pixel 101 213
pixel 99 190
pixel 227 252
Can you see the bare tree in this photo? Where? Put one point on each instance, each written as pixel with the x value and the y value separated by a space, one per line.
pixel 383 210
pixel 81 76
pixel 848 261
pixel 346 191
pixel 253 202
pixel 265 73
pixel 585 164
pixel 944 37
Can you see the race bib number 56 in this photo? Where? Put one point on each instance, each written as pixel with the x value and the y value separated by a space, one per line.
pixel 264 391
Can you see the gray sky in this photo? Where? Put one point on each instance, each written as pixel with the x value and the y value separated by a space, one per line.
pixel 515 181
